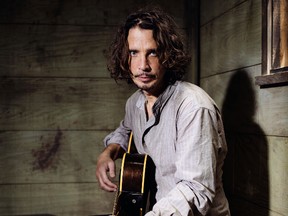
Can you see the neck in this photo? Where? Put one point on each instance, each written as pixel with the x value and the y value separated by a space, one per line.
pixel 150 101
pixel 151 97
pixel 153 94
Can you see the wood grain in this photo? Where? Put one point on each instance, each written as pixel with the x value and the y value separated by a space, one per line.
pixel 74 12
pixel 54 51
pixel 255 119
pixel 214 9
pixel 66 103
pixel 278 176
pixel 65 186
pixel 273 108
pixel 226 88
pixel 272 80
pixel 56 199
pixel 242 207
pixel 261 184
pixel 57 102
pixel 232 41
pixel 32 156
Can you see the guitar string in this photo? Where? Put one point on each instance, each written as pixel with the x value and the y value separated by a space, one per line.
pixel 115 206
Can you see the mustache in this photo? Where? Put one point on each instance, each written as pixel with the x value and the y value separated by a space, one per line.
pixel 153 76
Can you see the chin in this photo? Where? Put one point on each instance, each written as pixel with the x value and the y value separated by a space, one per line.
pixel 146 86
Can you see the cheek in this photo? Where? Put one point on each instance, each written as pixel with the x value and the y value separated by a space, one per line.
pixel 133 65
pixel 156 66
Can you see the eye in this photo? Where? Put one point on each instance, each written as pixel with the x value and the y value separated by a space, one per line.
pixel 132 53
pixel 153 53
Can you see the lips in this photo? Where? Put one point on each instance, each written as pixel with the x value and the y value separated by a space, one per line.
pixel 145 77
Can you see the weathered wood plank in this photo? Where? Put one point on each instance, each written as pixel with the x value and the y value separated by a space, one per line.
pixel 215 8
pixel 54 50
pixel 50 156
pixel 68 104
pixel 259 172
pixel 278 175
pixel 232 41
pixel 272 80
pixel 273 109
pixel 74 12
pixel 220 85
pixel 251 170
pixel 236 95
pixel 55 199
pixel 240 207
pixel 241 100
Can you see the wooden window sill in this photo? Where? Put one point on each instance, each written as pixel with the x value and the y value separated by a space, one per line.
pixel 272 80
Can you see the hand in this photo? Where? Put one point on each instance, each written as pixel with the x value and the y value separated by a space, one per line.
pixel 105 167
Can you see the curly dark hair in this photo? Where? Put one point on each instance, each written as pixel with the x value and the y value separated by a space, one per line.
pixel 170 47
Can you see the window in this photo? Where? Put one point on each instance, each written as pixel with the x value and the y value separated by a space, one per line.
pixel 274 44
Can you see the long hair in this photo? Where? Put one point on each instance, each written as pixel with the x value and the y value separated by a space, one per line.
pixel 170 47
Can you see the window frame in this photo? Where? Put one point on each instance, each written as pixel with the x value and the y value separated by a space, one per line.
pixel 271 76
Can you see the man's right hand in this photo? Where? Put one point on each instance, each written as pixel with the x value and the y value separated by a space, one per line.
pixel 106 169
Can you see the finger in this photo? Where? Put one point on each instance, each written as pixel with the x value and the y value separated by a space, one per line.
pixel 111 169
pixel 104 182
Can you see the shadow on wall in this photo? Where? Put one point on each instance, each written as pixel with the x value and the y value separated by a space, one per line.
pixel 246 174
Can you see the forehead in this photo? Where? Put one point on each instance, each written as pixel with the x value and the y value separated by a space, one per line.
pixel 141 37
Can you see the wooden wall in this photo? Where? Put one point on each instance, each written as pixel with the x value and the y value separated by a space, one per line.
pixel 58 102
pixel 255 119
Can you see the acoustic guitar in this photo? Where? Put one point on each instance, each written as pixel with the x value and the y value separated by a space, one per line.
pixel 137 187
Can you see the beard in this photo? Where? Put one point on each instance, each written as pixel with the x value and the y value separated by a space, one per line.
pixel 146 87
pixel 155 87
pixel 148 82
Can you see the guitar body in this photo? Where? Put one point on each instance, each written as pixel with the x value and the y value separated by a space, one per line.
pixel 137 186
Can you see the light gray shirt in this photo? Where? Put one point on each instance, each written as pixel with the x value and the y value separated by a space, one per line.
pixel 186 141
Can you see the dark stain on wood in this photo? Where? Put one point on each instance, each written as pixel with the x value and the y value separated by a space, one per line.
pixel 58 98
pixel 46 155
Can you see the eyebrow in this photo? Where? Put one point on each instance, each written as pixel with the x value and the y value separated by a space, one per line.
pixel 152 50
pixel 148 51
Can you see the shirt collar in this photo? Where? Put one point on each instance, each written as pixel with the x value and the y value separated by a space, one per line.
pixel 161 100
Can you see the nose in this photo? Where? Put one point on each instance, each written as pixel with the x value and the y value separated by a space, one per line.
pixel 144 64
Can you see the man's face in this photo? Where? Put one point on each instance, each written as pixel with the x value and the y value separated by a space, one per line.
pixel 147 72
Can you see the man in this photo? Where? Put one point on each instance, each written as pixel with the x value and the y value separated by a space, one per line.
pixel 176 123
